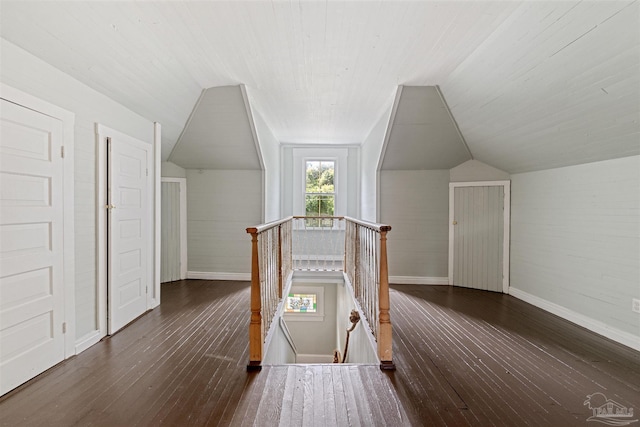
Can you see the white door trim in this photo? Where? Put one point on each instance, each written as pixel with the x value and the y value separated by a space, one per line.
pixel 154 297
pixel 507 226
pixel 68 123
pixel 101 229
pixel 183 223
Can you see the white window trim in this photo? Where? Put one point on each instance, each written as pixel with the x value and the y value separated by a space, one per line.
pixel 318 316
pixel 335 173
pixel 300 157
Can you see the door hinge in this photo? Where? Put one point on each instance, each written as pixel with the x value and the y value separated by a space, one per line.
pixel 64 327
pixel 147 172
pixel 62 151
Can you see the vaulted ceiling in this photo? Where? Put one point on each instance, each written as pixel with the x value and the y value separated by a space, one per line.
pixel 531 85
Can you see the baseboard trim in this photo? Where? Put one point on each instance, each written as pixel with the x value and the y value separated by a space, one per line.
pixel 416 280
pixel 209 275
pixel 314 358
pixel 596 326
pixel 87 341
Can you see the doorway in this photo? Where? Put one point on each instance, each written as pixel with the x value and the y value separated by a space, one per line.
pixel 479 235
pixel 173 230
pixel 37 322
pixel 125 221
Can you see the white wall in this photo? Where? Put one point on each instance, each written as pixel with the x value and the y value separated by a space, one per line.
pixel 315 337
pixel 575 247
pixel 416 205
pixel 360 348
pixel 221 204
pixel 270 148
pixel 353 183
pixel 370 155
pixel 29 74
pixel 278 352
pixel 474 170
pixel 171 170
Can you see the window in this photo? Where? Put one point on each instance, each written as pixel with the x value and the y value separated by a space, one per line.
pixel 320 192
pixel 301 303
pixel 294 179
pixel 304 303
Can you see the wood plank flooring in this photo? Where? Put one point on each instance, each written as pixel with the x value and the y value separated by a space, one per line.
pixel 463 357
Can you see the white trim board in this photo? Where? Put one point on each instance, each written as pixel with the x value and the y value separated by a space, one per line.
pixel 385 143
pixel 596 326
pixel 314 358
pixel 68 129
pixel 210 275
pixel 87 341
pixel 416 280
pixel 183 223
pixel 154 297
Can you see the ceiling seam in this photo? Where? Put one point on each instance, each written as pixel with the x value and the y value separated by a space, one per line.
pixel 186 124
pixel 453 120
pixel 392 119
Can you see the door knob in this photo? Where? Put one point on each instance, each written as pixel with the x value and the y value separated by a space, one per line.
pixel 455 222
pixel 110 206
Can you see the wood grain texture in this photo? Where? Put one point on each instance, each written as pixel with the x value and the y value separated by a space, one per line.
pixel 464 357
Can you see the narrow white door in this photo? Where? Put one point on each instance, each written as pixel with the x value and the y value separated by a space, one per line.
pixel 128 237
pixel 478 222
pixel 170 255
pixel 31 244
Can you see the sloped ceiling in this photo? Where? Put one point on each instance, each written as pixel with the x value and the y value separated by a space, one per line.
pixel 555 84
pixel 532 85
pixel 219 133
pixel 423 135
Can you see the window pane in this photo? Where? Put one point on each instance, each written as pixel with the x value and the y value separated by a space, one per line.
pixel 319 176
pixel 301 303
pixel 320 205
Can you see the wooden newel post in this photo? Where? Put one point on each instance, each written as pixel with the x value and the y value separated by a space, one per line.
pixel 385 335
pixel 255 326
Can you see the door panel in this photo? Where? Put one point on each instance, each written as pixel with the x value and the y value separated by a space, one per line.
pixel 170 267
pixel 478 237
pixel 128 240
pixel 31 245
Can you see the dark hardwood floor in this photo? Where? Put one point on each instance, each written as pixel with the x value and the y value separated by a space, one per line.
pixel 463 357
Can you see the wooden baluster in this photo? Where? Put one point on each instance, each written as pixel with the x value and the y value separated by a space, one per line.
pixel 356 271
pixel 255 326
pixel 385 335
pixel 279 267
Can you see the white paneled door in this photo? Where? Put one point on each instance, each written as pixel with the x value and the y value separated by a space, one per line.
pixel 128 238
pixel 31 244
pixel 478 237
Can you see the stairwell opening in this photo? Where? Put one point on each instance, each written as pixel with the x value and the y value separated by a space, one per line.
pixel 315 322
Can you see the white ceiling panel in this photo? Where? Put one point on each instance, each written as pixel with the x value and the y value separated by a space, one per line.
pixel 531 84
pixel 557 84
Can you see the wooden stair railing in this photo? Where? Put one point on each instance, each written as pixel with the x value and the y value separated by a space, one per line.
pixel 365 268
pixel 270 268
pixel 368 273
